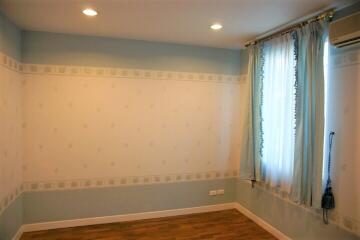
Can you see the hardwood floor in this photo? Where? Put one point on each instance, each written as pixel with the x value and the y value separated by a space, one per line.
pixel 224 225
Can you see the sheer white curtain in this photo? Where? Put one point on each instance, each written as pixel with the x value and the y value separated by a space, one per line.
pixel 278 113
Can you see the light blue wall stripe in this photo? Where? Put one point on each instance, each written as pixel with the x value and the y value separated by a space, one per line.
pixel 290 219
pixel 11 219
pixel 10 38
pixel 244 59
pixel 10 43
pixel 67 49
pixel 85 203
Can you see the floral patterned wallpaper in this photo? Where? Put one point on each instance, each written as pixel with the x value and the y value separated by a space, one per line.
pixel 96 126
pixel 11 133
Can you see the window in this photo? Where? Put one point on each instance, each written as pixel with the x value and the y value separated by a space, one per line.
pixel 278 112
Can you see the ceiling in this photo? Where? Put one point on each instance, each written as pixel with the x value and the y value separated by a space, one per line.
pixel 175 21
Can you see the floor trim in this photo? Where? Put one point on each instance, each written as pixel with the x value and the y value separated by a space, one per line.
pixel 19 233
pixel 262 223
pixel 124 217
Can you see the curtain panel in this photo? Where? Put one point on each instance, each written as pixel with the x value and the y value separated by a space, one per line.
pixel 250 163
pixel 310 99
pixel 293 65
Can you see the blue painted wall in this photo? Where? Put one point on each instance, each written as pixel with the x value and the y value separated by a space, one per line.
pixel 10 38
pixel 11 219
pixel 10 43
pixel 291 219
pixel 244 59
pixel 97 202
pixel 67 49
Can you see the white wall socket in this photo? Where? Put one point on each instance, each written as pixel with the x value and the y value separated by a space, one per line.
pixel 212 192
pixel 216 192
pixel 220 192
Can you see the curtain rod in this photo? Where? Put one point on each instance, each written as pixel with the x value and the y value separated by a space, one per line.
pixel 327 14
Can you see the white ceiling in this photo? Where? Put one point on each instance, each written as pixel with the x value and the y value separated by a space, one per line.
pixel 176 21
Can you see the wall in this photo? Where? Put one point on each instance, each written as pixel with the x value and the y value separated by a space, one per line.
pixel 297 222
pixel 343 101
pixel 67 49
pixel 79 127
pixel 342 109
pixel 115 126
pixel 342 115
pixel 10 38
pixel 143 126
pixel 11 130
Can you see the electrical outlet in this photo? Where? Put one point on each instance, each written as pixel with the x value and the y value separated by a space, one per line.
pixel 220 192
pixel 212 193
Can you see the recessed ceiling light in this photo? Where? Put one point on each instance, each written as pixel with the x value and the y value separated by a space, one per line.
pixel 90 12
pixel 216 26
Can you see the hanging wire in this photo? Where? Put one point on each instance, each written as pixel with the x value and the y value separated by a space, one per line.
pixel 328 201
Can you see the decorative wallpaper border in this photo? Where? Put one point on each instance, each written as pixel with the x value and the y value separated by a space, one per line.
pixel 346 223
pixel 345 59
pixel 10 63
pixel 126 181
pixel 7 200
pixel 86 71
pixel 127 73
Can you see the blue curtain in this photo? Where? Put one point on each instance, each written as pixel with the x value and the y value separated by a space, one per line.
pixel 309 137
pixel 305 180
pixel 250 163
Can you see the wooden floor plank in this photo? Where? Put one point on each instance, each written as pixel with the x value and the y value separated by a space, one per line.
pixel 221 225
